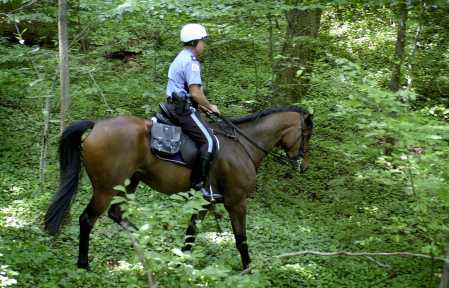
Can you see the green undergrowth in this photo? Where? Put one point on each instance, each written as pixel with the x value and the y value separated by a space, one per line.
pixel 377 182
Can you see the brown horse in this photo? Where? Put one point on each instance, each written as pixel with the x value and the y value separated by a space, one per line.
pixel 118 148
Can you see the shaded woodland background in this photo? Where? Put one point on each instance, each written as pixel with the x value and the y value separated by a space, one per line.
pixel 374 73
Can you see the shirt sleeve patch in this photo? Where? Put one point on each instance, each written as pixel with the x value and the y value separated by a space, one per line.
pixel 195 67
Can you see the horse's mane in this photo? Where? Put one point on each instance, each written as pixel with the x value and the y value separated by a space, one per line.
pixel 266 112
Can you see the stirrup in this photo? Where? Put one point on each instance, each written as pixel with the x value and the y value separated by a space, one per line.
pixel 210 196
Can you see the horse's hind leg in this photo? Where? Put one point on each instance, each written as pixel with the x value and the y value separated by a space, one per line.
pixel 115 211
pixel 97 205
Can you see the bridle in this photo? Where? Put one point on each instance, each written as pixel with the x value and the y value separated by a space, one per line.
pixel 299 159
pixel 295 162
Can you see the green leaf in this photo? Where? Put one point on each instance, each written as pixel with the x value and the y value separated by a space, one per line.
pixel 120 188
pixel 118 200
pixel 177 251
pixel 444 195
pixel 35 82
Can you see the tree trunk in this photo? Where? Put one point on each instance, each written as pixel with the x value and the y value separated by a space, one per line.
pixel 290 82
pixel 411 65
pixel 83 41
pixel 270 43
pixel 44 145
pixel 395 81
pixel 412 58
pixel 63 60
pixel 46 131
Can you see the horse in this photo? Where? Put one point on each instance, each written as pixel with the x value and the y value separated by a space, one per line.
pixel 118 148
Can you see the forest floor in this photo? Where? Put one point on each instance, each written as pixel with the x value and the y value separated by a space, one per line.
pixel 329 208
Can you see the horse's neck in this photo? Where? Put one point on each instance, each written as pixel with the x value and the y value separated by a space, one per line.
pixel 266 132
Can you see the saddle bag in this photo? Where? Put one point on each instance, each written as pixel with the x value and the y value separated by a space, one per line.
pixel 165 138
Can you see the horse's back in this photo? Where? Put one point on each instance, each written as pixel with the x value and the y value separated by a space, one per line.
pixel 114 149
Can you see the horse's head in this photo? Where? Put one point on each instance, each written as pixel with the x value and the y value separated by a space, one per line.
pixel 295 140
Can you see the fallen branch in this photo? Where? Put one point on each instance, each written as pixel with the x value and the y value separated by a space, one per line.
pixel 377 262
pixel 365 254
pixel 150 276
pixel 109 109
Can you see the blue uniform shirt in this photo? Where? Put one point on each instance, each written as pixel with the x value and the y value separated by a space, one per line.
pixel 184 71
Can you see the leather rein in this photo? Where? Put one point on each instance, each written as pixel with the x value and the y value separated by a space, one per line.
pixel 278 157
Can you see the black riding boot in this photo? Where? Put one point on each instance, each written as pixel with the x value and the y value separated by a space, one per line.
pixel 208 194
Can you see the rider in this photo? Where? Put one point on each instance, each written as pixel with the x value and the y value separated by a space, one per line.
pixel 184 88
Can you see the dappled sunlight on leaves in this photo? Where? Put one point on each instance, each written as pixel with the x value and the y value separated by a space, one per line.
pixel 15 216
pixel 123 265
pixel 218 238
pixel 307 271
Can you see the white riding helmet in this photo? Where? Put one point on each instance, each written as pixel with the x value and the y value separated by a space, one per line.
pixel 190 32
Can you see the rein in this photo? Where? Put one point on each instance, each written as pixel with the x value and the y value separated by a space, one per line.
pixel 278 157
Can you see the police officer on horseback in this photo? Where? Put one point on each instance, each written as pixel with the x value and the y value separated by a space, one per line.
pixel 184 90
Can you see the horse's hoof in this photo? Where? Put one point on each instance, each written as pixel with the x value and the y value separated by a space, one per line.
pixel 83 265
pixel 187 249
pixel 247 270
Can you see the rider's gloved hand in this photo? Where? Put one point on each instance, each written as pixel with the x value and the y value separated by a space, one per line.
pixel 214 109
pixel 211 109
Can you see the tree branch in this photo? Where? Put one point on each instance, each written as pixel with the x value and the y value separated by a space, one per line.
pixel 377 262
pixel 150 276
pixel 365 254
pixel 109 109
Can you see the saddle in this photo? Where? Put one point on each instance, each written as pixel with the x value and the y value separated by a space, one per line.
pixel 168 142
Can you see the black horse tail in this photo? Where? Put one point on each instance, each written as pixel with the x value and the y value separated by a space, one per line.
pixel 70 166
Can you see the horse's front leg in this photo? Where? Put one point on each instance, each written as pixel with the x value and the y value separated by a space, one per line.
pixel 192 230
pixel 238 220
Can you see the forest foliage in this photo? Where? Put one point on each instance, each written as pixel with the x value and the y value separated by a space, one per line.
pixel 379 171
